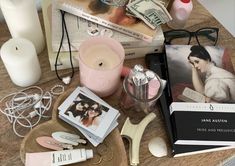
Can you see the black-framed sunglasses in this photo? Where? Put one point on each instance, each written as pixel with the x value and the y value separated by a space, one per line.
pixel 204 36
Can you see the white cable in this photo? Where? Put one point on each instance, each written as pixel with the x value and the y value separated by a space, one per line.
pixel 10 118
pixel 14 127
pixel 30 124
pixel 46 96
pixel 17 106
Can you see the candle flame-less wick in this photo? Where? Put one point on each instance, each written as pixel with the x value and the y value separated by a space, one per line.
pixel 16 48
pixel 100 64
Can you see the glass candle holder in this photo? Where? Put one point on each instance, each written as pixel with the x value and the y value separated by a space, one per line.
pixel 100 64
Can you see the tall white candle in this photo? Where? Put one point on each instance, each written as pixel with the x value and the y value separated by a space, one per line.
pixel 21 61
pixel 22 20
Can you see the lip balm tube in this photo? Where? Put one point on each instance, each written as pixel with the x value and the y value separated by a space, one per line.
pixel 55 158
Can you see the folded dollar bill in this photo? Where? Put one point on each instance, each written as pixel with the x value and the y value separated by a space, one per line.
pixel 152 12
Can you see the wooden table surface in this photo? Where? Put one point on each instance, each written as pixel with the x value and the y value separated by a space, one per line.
pixel 10 143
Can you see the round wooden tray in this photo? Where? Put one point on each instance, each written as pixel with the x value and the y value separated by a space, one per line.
pixel 110 152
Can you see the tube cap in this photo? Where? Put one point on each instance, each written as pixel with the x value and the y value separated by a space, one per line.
pixel 89 153
pixel 185 1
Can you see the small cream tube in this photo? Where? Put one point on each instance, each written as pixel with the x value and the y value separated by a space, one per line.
pixel 55 158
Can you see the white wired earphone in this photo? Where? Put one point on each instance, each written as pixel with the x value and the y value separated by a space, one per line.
pixel 30 108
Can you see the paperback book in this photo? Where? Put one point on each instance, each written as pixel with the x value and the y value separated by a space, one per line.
pixel 81 29
pixel 108 16
pixel 202 81
pixel 93 117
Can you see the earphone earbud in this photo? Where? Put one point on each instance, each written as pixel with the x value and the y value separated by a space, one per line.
pixel 36 97
pixel 33 114
pixel 39 105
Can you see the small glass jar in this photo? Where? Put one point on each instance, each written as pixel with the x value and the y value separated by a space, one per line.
pixel 141 98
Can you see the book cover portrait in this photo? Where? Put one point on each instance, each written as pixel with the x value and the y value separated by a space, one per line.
pixel 200 74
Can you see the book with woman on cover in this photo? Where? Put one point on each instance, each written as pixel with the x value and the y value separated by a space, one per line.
pixel 110 16
pixel 202 85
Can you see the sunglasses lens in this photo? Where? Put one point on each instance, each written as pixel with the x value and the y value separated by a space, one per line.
pixel 207 36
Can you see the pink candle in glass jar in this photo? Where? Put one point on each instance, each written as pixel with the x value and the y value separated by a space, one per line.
pixel 100 64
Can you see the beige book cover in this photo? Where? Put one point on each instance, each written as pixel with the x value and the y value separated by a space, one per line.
pixel 109 16
pixel 80 29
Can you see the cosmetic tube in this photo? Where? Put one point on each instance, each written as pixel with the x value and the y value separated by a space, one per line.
pixel 55 158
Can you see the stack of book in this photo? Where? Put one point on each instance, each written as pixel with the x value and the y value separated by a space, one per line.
pixel 85 19
pixel 92 116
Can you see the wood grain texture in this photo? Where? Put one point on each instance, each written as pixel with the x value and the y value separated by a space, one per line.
pixel 10 143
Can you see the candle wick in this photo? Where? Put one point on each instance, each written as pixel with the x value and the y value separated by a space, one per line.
pixel 16 48
pixel 100 64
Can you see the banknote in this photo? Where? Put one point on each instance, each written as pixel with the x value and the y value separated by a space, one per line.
pixel 115 2
pixel 128 12
pixel 163 2
pixel 152 12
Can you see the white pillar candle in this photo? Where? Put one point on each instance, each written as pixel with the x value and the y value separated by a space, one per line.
pixel 22 20
pixel 100 63
pixel 21 61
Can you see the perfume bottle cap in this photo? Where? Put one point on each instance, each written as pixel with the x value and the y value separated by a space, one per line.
pixel 185 1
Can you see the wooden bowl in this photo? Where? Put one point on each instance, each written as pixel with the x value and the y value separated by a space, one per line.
pixel 110 152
